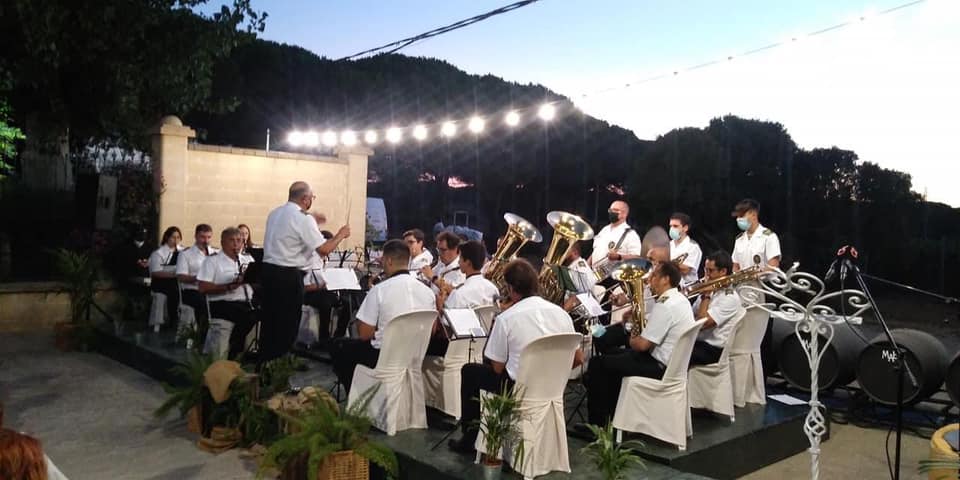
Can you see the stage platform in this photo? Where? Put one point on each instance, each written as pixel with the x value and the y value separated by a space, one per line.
pixel 761 435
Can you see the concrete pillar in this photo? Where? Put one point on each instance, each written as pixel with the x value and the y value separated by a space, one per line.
pixel 169 161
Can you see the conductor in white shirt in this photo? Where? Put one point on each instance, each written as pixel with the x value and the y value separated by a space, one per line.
pixel 526 318
pixel 680 244
pixel 290 237
pixel 475 291
pixel 399 293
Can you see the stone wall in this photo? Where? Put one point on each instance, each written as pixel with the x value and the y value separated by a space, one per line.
pixel 226 186
pixel 31 306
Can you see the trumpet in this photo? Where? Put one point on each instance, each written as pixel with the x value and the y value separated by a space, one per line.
pixel 729 281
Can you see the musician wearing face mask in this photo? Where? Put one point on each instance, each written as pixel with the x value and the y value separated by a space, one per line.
pixel 680 244
pixel 447 274
pixel 648 354
pixel 617 241
pixel 722 309
pixel 614 337
pixel 221 279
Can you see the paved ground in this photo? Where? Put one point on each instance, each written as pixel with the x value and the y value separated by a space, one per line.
pixel 94 417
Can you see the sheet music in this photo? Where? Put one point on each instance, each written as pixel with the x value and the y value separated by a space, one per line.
pixel 787 399
pixel 340 279
pixel 592 305
pixel 464 322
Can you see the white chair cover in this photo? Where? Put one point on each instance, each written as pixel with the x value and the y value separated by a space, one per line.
pixel 441 377
pixel 309 331
pixel 659 408
pixel 398 404
pixel 544 368
pixel 188 318
pixel 711 386
pixel 749 386
pixel 158 309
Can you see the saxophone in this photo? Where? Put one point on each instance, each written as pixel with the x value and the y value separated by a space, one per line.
pixel 568 229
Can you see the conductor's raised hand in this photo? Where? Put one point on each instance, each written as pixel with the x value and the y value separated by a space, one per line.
pixel 344 232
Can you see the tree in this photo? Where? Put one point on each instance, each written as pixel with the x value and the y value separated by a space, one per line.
pixel 9 136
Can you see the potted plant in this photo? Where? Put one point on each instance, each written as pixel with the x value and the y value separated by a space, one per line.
pixel 79 273
pixel 500 425
pixel 329 443
pixel 612 459
pixel 187 398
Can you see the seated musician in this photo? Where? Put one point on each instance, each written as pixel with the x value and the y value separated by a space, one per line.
pixel 399 293
pixel 474 292
pixel 649 352
pixel 577 277
pixel 615 337
pixel 419 256
pixel 315 293
pixel 447 274
pixel 230 297
pixel 721 308
pixel 188 266
pixel 527 318
pixel 163 270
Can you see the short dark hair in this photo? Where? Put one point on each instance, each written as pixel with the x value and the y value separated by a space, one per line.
pixel 203 228
pixel 452 240
pixel 744 206
pixel 395 249
pixel 681 217
pixel 169 232
pixel 671 271
pixel 721 260
pixel 522 277
pixel 474 252
pixel 416 233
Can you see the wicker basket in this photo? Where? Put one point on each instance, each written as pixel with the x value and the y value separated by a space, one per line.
pixel 344 465
pixel 195 420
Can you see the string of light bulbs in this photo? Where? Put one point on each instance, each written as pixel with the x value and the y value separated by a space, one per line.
pixel 546 111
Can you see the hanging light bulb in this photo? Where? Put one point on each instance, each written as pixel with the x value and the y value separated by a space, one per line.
pixel 394 135
pixel 448 129
pixel 547 112
pixel 476 124
pixel 370 137
pixel 420 132
pixel 512 119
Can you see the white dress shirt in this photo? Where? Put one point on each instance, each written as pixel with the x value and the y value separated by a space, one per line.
pixel 475 291
pixel 670 316
pixel 763 242
pixel 522 323
pixel 395 296
pixel 450 272
pixel 189 262
pixel 694 255
pixel 219 269
pixel 290 236
pixel 161 260
pixel 424 259
pixel 725 307
pixel 607 240
pixel 312 270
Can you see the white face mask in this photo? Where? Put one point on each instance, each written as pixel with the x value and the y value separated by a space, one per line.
pixel 743 223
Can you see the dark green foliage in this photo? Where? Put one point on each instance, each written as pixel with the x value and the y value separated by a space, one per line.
pixel 499 423
pixel 611 458
pixel 276 374
pixel 191 391
pixel 323 431
pixel 79 273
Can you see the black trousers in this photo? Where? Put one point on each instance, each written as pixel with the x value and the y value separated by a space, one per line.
pixel 324 301
pixel 282 300
pixel 438 345
pixel 194 299
pixel 704 353
pixel 347 353
pixel 604 376
pixel 168 287
pixel 613 339
pixel 476 377
pixel 243 318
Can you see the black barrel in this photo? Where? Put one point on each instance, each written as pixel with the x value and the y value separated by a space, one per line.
pixel 953 379
pixel 837 366
pixel 925 356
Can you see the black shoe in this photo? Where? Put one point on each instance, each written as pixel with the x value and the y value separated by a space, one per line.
pixel 461 446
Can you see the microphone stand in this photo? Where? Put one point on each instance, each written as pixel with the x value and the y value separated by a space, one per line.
pixel 901 363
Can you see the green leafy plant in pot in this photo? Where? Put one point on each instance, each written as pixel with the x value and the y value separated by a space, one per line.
pixel 188 397
pixel 500 426
pixel 78 273
pixel 612 459
pixel 329 443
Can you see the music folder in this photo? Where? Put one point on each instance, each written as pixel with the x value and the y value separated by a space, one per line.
pixel 590 303
pixel 340 279
pixel 464 323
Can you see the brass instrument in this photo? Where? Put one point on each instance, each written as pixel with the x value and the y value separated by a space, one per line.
pixel 709 286
pixel 519 232
pixel 630 274
pixel 567 230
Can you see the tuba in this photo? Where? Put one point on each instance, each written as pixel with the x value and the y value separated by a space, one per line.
pixel 567 230
pixel 519 232
pixel 630 274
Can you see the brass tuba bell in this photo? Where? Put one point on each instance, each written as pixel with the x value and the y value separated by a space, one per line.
pixel 519 232
pixel 630 274
pixel 567 230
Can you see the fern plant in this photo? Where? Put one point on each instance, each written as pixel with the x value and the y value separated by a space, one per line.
pixel 191 392
pixel 79 273
pixel 500 424
pixel 610 457
pixel 277 372
pixel 323 431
